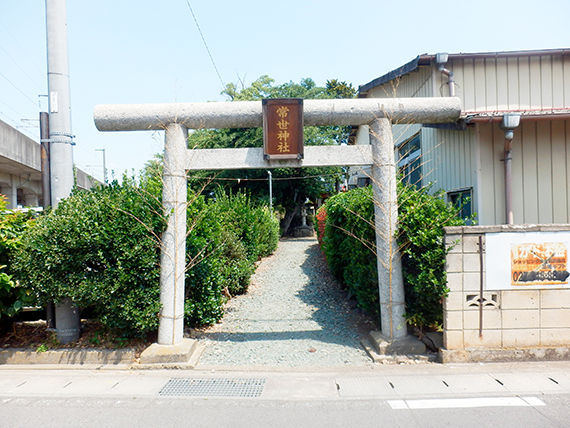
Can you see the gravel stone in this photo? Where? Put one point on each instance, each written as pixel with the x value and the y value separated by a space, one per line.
pixel 294 314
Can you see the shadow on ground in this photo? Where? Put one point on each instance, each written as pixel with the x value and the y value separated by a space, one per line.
pixel 333 318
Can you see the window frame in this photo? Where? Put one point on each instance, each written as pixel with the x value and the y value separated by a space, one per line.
pixel 406 160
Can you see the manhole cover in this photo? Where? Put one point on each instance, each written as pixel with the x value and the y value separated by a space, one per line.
pixel 219 387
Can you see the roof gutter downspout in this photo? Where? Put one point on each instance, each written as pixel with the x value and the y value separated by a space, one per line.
pixel 440 60
pixel 509 123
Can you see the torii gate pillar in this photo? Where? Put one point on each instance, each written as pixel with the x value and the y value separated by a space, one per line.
pixel 173 243
pixel 393 338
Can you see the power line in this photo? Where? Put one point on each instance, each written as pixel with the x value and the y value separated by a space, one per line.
pixel 25 53
pixel 10 82
pixel 21 69
pixel 205 44
pixel 11 108
pixel 14 124
pixel 263 179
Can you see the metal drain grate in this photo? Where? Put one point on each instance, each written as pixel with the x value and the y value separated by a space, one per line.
pixel 219 387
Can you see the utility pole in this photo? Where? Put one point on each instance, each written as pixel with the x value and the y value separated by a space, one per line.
pixel 46 192
pixel 61 140
pixel 45 146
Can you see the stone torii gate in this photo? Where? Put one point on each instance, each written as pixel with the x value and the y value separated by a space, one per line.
pixel 176 119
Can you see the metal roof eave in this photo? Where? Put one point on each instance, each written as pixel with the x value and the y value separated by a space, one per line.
pixel 394 74
pixel 425 59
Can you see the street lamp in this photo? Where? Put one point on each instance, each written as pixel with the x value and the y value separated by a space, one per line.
pixel 104 165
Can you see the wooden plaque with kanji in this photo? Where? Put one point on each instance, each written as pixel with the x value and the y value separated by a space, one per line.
pixel 283 128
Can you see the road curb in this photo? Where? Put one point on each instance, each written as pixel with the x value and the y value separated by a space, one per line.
pixel 26 356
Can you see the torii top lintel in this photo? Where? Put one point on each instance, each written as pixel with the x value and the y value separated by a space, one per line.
pixel 248 114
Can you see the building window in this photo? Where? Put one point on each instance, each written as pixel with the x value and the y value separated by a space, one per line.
pixel 364 181
pixel 409 161
pixel 462 198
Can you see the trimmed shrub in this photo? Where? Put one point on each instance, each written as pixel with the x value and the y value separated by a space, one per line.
pixel 350 247
pixel 422 217
pixel 13 223
pixel 228 235
pixel 99 248
pixel 255 225
pixel 12 296
pixel 204 280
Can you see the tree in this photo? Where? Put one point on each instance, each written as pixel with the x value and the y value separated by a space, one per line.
pixel 291 187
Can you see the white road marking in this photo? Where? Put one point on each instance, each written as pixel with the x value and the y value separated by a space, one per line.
pixel 533 401
pixel 457 403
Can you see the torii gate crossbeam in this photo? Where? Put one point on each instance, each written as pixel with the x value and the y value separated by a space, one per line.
pixel 176 119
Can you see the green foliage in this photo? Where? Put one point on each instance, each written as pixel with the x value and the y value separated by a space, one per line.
pixel 255 226
pixel 290 186
pixel 422 217
pixel 338 89
pixel 349 244
pixel 100 248
pixel 234 265
pixel 229 234
pixel 42 348
pixel 12 296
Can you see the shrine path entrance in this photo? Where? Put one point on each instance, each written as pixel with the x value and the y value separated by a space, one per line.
pixel 377 114
pixel 293 315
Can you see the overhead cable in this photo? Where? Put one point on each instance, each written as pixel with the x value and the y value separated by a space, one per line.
pixel 205 44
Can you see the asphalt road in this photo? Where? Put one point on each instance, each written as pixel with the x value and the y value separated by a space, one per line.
pixel 429 395
pixel 189 412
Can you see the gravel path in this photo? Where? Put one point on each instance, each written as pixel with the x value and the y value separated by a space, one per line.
pixel 293 315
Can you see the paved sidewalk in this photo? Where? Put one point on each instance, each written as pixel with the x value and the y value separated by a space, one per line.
pixel 271 383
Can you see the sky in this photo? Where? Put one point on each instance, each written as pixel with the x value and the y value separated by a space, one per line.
pixel 143 51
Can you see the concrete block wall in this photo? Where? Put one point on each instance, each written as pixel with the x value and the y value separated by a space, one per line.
pixel 511 319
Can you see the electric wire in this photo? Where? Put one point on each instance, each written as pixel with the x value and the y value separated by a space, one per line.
pixel 11 108
pixel 82 126
pixel 205 44
pixel 14 123
pixel 23 50
pixel 22 92
pixel 21 69
pixel 262 179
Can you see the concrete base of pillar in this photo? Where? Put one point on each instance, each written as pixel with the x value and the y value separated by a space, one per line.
pixel 166 354
pixel 409 345
pixel 67 321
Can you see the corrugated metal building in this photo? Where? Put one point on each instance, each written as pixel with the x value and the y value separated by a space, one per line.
pixel 467 158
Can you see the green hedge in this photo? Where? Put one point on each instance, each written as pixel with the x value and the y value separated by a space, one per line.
pixel 12 296
pixel 349 245
pixel 422 217
pixel 101 248
pixel 228 235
